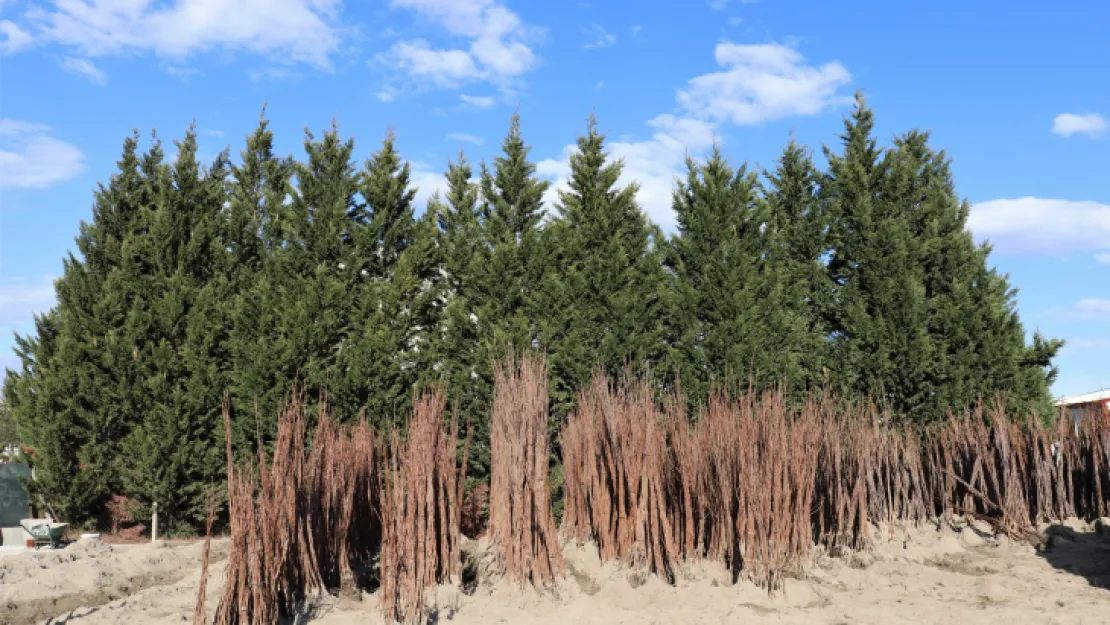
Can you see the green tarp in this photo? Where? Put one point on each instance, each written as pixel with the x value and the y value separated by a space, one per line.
pixel 14 500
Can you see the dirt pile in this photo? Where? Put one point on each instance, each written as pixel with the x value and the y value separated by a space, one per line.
pixel 960 573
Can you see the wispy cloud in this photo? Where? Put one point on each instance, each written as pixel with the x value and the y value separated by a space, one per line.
pixel 20 299
pixel 764 82
pixel 1082 345
pixel 717 5
pixel 598 37
pixel 477 101
pixel 84 68
pixel 273 74
pixel 13 38
pixel 1030 225
pixel 1091 309
pixel 1068 124
pixel 302 31
pixel 462 137
pixel 31 159
pixel 498 52
pixel 761 83
pixel 1103 259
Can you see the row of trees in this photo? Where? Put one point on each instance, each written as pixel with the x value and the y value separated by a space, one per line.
pixel 194 280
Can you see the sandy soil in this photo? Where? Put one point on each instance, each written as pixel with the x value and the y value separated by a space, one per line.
pixel 926 576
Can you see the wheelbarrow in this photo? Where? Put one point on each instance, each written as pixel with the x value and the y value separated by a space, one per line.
pixel 45 534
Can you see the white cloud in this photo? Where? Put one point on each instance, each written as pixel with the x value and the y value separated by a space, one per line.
pixel 387 93
pixel 446 69
pixel 635 29
pixel 1103 259
pixel 275 74
pixel 1080 345
pixel 653 164
pixel 294 30
pixel 31 159
pixel 462 137
pixel 1092 309
pixel 599 37
pixel 717 5
pixel 84 68
pixel 20 299
pixel 1068 124
pixel 13 38
pixel 427 183
pixel 763 82
pixel 477 101
pixel 1041 225
pixel 498 51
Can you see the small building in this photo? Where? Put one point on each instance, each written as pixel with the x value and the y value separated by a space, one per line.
pixel 1088 403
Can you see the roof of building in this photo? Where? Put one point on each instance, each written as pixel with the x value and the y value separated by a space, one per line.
pixel 1086 398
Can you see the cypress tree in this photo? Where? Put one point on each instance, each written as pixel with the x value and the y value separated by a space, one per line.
pixel 260 186
pixel 602 297
pixel 80 390
pixel 460 361
pixel 719 272
pixel 173 450
pixel 284 329
pixel 880 342
pixel 978 340
pixel 395 255
pixel 797 235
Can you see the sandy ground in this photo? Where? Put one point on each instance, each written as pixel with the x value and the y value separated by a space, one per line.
pixel 926 576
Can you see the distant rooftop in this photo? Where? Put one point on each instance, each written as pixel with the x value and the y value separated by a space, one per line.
pixel 1086 398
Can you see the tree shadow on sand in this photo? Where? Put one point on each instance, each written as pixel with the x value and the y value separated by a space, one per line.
pixel 1086 554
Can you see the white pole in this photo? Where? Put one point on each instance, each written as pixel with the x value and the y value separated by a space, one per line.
pixel 154 524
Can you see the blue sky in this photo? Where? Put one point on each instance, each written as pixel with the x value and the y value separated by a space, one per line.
pixel 1017 93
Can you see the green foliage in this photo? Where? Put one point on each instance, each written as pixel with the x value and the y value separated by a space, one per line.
pixel 602 298
pixel 193 280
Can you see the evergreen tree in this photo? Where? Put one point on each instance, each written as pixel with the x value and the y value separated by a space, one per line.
pixel 173 451
pixel 880 342
pixel 797 232
pixel 601 301
pixel 79 391
pixel 396 258
pixel 719 269
pixel 504 268
pixel 747 276
pixel 459 358
pixel 505 280
pixel 978 341
pixel 260 187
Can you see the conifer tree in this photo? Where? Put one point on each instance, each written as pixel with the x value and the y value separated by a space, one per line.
pixel 601 301
pixel 880 342
pixel 294 314
pixel 978 341
pixel 797 235
pixel 79 390
pixel 459 357
pixel 252 228
pixel 719 269
pixel 396 258
pixel 172 452
pixel 511 209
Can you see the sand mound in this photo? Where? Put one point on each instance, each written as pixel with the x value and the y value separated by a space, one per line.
pixel 38 585
pixel 925 575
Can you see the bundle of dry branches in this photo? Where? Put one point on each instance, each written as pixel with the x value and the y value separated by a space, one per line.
pixel 421 495
pixel 298 521
pixel 753 484
pixel 615 468
pixel 521 521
